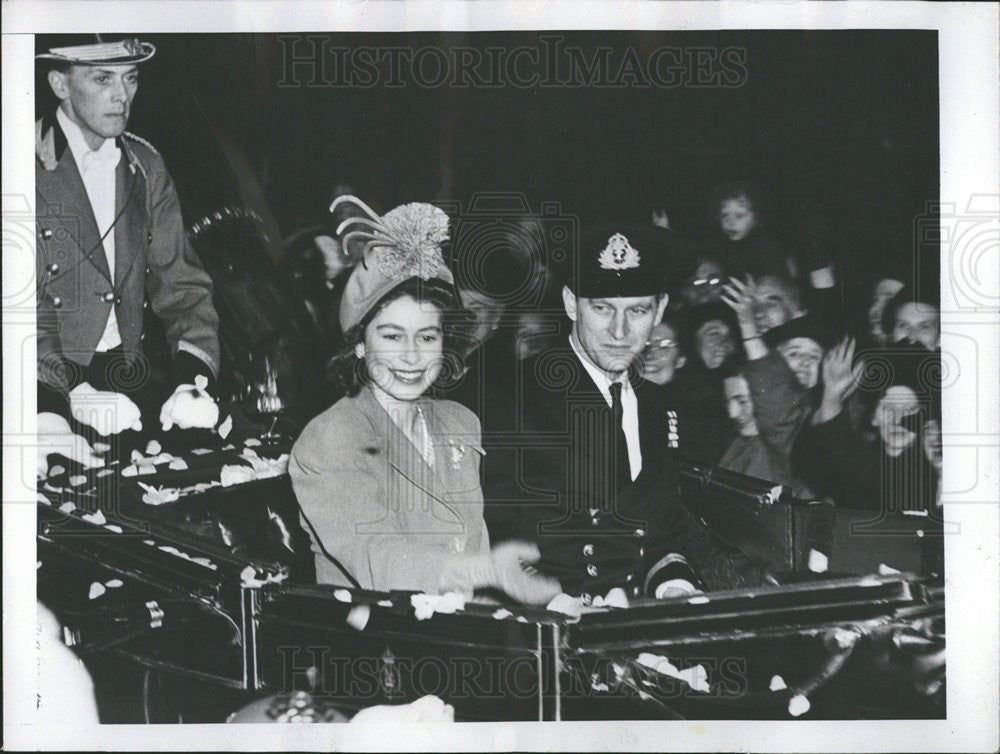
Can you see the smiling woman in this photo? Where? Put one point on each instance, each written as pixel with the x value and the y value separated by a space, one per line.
pixel 387 478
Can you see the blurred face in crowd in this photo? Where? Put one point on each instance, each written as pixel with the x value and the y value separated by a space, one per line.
pixel 736 218
pixel 612 331
pixel 773 304
pixel 662 356
pixel 705 285
pixel 97 98
pixel 403 349
pixel 898 402
pixel 485 309
pixel 917 323
pixel 885 290
pixel 714 343
pixel 803 356
pixel 739 405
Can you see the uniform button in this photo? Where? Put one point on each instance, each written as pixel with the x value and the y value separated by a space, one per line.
pixel 642 551
pixel 635 591
pixel 46 233
pixel 147 270
pixel 53 268
pixel 588 550
pixel 149 238
pixel 118 301
pixel 595 519
pixel 109 297
pixel 630 577
pixel 592 570
pixel 145 304
pixel 56 302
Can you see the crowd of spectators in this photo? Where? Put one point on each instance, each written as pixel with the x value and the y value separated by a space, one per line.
pixel 770 375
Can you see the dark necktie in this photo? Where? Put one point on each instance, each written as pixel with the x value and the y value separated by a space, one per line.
pixel 622 473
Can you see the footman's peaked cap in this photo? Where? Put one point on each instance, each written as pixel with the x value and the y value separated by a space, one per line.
pixel 620 260
pixel 93 49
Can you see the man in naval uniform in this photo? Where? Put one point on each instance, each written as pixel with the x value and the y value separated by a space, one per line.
pixel 111 241
pixel 579 449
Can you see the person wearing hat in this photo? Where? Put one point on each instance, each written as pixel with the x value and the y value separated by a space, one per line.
pixel 782 373
pixel 388 478
pixel 898 468
pixel 913 318
pixel 579 448
pixel 111 241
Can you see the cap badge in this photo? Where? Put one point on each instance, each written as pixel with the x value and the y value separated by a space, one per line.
pixel 618 254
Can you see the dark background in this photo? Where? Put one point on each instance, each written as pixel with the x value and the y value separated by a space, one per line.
pixel 848 118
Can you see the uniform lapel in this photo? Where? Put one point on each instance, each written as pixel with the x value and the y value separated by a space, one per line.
pixel 65 197
pixel 131 213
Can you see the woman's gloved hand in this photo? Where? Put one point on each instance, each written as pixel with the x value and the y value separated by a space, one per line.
pixel 507 568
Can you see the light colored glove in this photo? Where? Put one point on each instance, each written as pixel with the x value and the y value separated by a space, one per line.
pixel 507 568
pixel 55 436
pixel 108 412
pixel 426 709
pixel 190 406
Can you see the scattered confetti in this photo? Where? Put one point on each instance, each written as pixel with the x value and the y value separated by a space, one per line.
pixel 153 448
pixel 56 470
pixel 147 468
pixel 113 583
pixel 342 594
pixel 200 451
pixel 798 705
pixel 251 442
pixel 699 599
pixel 77 479
pixel 358 617
pixel 884 570
pixel 96 590
pixel 502 613
pixel 232 474
pixel 178 464
pixel 818 562
pixel 95 518
pixel 136 457
pixel 226 427
pixel 42 499
pixel 777 683
pixel 130 470
pixel 696 676
pixel 67 507
pixel 425 605
pixel 105 472
pixel 384 603
pixel 114 528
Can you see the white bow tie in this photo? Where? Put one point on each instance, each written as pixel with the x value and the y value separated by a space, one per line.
pixel 105 157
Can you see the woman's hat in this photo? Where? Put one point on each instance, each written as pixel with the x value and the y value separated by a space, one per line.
pixel 92 49
pixel 405 243
pixel 806 326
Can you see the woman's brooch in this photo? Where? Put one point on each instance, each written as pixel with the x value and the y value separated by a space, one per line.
pixel 458 451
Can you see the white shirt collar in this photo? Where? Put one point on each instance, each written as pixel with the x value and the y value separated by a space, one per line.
pixel 77 143
pixel 598 375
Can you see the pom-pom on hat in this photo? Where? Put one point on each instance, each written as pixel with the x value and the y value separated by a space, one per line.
pixel 93 49
pixel 405 243
pixel 621 260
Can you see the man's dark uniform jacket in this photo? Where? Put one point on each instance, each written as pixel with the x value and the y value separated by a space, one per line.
pixel 547 480
pixel 154 264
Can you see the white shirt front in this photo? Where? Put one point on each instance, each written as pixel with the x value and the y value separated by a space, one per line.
pixel 630 405
pixel 97 169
